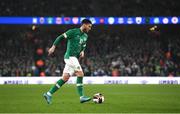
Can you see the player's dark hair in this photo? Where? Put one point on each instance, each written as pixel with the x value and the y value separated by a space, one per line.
pixel 86 21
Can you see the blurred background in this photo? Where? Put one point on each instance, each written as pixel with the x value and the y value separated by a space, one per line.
pixel 131 49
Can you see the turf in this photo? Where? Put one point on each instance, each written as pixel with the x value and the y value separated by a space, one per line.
pixel 118 98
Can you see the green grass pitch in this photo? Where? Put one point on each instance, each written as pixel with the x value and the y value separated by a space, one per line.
pixel 118 99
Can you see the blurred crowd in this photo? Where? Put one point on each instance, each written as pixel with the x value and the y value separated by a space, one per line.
pixel 108 53
pixel 89 8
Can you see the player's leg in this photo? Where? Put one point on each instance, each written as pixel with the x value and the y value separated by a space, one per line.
pixel 79 73
pixel 67 72
pixel 79 82
pixel 80 90
pixel 59 83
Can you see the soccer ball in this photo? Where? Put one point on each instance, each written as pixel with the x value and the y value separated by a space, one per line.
pixel 98 98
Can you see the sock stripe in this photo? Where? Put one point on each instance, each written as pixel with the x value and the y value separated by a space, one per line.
pixel 49 93
pixel 79 84
pixel 57 85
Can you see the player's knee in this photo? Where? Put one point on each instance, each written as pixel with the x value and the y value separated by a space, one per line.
pixel 65 77
pixel 79 73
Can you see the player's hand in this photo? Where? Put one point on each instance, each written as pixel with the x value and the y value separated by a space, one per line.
pixel 82 54
pixel 51 50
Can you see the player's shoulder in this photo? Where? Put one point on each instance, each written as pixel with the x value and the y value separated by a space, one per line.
pixel 73 29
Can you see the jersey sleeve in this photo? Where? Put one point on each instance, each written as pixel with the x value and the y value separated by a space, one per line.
pixel 58 40
pixel 68 34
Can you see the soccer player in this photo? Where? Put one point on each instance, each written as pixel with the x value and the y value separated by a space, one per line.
pixel 76 43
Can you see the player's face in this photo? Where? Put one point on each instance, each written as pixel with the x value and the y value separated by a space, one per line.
pixel 87 27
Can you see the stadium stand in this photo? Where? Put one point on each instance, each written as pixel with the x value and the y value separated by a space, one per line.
pixel 129 52
pixel 89 8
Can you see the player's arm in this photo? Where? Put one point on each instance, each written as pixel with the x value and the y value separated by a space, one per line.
pixel 67 34
pixel 56 42
pixel 82 52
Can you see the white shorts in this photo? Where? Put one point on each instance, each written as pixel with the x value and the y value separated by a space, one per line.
pixel 72 65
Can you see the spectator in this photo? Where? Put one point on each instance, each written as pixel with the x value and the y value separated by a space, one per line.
pixel 125 53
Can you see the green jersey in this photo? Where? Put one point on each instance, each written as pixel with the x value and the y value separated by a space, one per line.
pixel 76 42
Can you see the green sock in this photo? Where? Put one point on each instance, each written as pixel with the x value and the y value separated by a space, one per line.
pixel 56 86
pixel 80 86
